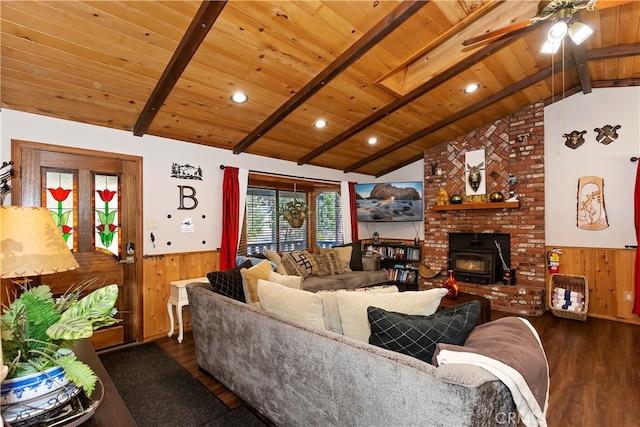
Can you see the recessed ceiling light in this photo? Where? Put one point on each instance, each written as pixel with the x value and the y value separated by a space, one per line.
pixel 372 140
pixel 472 88
pixel 320 123
pixel 239 97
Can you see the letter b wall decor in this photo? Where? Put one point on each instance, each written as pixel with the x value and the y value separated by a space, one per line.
pixel 187 192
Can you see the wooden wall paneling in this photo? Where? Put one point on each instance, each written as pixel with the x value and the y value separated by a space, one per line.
pixel 159 271
pixel 609 273
pixel 155 297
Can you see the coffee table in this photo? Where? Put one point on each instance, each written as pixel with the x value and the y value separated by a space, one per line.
pixel 485 305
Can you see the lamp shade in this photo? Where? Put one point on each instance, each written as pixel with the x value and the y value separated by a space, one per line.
pixel 31 244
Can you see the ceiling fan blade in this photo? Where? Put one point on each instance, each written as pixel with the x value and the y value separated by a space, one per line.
pixel 496 33
pixel 604 4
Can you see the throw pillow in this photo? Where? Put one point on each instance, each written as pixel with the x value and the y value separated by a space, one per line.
pixel 305 263
pixel 293 304
pixel 417 336
pixel 291 266
pixel 330 303
pixel 250 277
pixel 355 263
pixel 294 282
pixel 229 283
pixel 352 307
pixel 344 253
pixel 329 264
pixel 276 259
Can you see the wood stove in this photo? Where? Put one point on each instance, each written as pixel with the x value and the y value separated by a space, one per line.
pixel 474 256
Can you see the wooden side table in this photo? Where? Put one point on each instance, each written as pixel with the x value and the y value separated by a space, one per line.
pixel 485 305
pixel 179 299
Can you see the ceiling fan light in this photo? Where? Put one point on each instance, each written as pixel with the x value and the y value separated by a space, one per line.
pixel 557 32
pixel 579 32
pixel 550 47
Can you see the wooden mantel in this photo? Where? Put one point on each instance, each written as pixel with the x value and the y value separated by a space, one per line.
pixel 469 206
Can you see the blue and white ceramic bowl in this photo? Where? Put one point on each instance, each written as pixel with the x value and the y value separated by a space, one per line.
pixel 31 386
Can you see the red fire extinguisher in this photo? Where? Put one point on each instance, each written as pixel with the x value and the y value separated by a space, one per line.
pixel 553 260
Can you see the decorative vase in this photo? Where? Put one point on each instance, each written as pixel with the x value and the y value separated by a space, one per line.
pixel 296 222
pixel 32 395
pixel 451 285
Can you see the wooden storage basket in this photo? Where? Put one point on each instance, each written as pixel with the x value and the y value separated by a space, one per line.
pixel 571 282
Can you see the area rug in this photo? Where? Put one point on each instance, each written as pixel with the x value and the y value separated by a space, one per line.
pixel 159 392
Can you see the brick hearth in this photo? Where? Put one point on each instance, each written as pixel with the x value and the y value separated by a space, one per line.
pixel 515 145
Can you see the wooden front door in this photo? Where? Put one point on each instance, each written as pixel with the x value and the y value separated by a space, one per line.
pixel 96 199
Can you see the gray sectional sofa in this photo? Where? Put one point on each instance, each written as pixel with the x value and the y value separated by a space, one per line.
pixel 302 376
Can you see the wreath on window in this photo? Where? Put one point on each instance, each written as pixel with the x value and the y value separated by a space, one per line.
pixel 294 212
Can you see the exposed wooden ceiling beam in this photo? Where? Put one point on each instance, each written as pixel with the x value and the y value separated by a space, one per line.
pixel 613 52
pixel 592 55
pixel 581 65
pixel 522 84
pixel 572 91
pixel 408 97
pixel 202 22
pixel 616 83
pixel 382 29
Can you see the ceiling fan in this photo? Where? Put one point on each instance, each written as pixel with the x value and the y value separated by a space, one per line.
pixel 562 13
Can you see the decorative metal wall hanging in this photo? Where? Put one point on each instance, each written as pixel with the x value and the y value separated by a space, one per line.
pixel 574 139
pixel 592 214
pixel 186 171
pixel 607 134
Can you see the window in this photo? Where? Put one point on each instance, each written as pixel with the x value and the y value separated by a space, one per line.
pixel 328 219
pixel 265 229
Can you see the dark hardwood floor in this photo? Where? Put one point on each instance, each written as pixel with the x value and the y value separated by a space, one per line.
pixel 594 370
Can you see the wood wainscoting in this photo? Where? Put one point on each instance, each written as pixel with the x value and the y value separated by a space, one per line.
pixel 159 271
pixel 609 274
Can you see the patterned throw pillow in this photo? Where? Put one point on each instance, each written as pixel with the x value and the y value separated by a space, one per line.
pixel 229 283
pixel 290 265
pixel 329 264
pixel 304 262
pixel 416 335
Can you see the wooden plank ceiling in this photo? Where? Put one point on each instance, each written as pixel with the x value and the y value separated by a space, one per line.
pixel 389 69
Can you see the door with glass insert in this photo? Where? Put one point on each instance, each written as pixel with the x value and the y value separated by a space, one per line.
pixel 93 198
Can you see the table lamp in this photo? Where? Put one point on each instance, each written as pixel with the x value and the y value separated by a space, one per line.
pixel 30 245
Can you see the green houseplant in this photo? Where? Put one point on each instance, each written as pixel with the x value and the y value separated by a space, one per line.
pixel 294 212
pixel 39 331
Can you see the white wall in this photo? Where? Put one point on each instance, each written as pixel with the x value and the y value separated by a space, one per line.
pixel 564 166
pixel 160 196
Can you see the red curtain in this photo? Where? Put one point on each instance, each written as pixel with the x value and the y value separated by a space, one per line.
pixel 636 204
pixel 230 218
pixel 354 212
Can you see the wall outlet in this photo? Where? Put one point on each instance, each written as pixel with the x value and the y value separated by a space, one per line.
pixel 152 224
pixel 628 296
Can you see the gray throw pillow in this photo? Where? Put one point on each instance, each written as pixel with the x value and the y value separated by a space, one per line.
pixel 416 335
